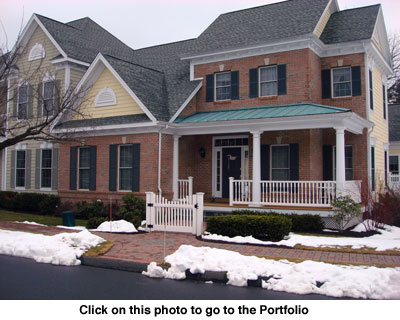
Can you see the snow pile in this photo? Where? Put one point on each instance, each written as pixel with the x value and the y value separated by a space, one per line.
pixel 78 228
pixel 389 239
pixel 121 226
pixel 60 249
pixel 30 222
pixel 301 278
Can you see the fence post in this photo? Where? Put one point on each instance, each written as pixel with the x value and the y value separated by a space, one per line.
pixel 190 186
pixel 148 209
pixel 231 191
pixel 199 213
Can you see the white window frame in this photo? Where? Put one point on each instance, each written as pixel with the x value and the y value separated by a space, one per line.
pixel 398 162
pixel 47 80
pixel 270 160
pixel 105 90
pixel 41 168
pixel 34 55
pixel 333 83
pixel 19 147
pixel 23 83
pixel 334 161
pixel 259 80
pixel 218 194
pixel 79 168
pixel 215 86
pixel 119 167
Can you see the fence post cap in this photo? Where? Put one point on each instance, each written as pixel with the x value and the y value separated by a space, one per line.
pixel 200 193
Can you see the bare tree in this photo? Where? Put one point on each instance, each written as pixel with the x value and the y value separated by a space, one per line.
pixel 30 108
pixel 394 79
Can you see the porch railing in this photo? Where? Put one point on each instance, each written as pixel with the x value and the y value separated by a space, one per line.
pixel 394 181
pixel 185 187
pixel 295 193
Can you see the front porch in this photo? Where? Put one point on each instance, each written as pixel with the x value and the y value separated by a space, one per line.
pixel 286 163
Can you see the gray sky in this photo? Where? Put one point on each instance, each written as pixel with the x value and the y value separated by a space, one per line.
pixel 141 23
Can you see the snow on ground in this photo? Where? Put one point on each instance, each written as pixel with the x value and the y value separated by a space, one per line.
pixel 30 222
pixel 78 228
pixel 389 239
pixel 300 278
pixel 60 249
pixel 121 226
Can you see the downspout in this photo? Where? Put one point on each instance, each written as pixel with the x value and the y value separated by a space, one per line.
pixel 159 159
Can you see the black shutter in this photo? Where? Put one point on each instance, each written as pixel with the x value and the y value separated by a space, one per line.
pixel 386 168
pixel 294 162
pixel 384 101
pixel 356 81
pixel 112 186
pixel 235 85
pixel 253 75
pixel 93 160
pixel 326 84
pixel 327 163
pixel 281 79
pixel 265 162
pixel 209 88
pixel 371 91
pixel 136 168
pixel 72 168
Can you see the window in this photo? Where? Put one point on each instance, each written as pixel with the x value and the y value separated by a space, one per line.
pixel 84 168
pixel 22 102
pixel 46 164
pixel 373 168
pixel 348 163
pixel 223 86
pixel 394 164
pixel 341 79
pixel 384 102
pixel 268 81
pixel 20 168
pixel 48 98
pixel 280 163
pixel 371 91
pixel 125 167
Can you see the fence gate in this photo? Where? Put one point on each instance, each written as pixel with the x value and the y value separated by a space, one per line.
pixel 183 215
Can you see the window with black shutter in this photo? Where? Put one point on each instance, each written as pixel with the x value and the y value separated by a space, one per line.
pixel 373 168
pixel 371 91
pixel 384 101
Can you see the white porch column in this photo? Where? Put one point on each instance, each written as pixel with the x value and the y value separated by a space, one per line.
pixel 256 168
pixel 175 168
pixel 340 161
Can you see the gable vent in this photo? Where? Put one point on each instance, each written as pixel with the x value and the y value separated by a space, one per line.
pixel 105 97
pixel 37 52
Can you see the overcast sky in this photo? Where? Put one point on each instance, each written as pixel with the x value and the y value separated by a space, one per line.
pixel 142 23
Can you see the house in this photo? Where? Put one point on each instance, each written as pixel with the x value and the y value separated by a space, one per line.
pixel 282 105
pixel 394 143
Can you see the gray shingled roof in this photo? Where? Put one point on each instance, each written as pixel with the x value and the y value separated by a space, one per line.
pixel 351 25
pixel 134 118
pixel 394 122
pixel 260 24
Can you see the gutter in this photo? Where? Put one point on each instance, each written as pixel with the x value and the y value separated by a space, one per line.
pixel 159 159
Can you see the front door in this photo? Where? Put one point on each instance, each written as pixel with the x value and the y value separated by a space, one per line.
pixel 231 167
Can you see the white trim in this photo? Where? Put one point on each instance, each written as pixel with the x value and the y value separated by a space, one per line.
pixel 398 161
pixel 118 166
pixel 215 86
pixel 394 145
pixel 20 147
pixel 78 169
pixel 51 167
pixel 4 169
pixel 332 86
pixel 111 96
pixel 64 59
pixel 183 106
pixel 270 159
pixel 373 141
pixel 40 54
pixel 67 79
pixel 259 80
pixel 110 127
pixel 46 145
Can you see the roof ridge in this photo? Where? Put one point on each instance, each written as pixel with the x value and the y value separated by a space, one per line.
pixel 165 44
pixel 63 23
pixel 364 7
pixel 133 63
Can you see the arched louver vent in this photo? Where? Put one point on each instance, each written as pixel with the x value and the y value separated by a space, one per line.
pixel 37 52
pixel 105 97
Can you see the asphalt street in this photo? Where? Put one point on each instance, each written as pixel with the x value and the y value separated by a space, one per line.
pixel 22 278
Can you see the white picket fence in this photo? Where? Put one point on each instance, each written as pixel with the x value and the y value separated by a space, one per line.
pixel 297 193
pixel 183 215
pixel 185 187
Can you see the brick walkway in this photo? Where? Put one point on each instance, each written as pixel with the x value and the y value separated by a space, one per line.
pixel 146 248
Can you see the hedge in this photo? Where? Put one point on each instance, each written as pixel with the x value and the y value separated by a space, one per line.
pixel 300 222
pixel 272 227
pixel 29 202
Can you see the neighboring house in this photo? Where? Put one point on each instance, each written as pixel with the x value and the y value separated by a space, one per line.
pixel 287 99
pixel 394 142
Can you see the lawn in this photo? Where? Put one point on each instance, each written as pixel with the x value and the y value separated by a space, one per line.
pixel 47 220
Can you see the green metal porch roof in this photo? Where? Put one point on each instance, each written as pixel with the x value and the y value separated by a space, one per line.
pixel 289 110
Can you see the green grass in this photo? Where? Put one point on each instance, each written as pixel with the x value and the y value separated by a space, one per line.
pixel 47 220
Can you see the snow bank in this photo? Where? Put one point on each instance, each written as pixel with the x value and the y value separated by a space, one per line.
pixel 116 226
pixel 78 228
pixel 389 239
pixel 30 222
pixel 300 278
pixel 60 249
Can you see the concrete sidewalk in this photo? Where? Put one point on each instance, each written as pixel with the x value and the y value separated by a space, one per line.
pixel 145 248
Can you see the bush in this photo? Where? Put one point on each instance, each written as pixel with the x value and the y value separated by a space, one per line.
pixel 272 227
pixel 94 222
pixel 7 199
pixel 300 222
pixel 387 208
pixel 49 205
pixel 345 209
pixel 133 210
pixel 29 202
pixel 84 210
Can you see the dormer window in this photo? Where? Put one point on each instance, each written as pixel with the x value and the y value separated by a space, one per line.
pixel 37 52
pixel 105 97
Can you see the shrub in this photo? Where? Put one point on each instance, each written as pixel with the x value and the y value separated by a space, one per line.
pixel 132 210
pixel 49 204
pixel 345 209
pixel 300 222
pixel 94 222
pixel 29 202
pixel 84 210
pixel 7 199
pixel 387 208
pixel 273 228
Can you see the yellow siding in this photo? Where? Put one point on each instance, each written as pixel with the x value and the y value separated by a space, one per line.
pixel 380 131
pixel 125 104
pixel 75 76
pixel 394 151
pixel 377 43
pixel 320 28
